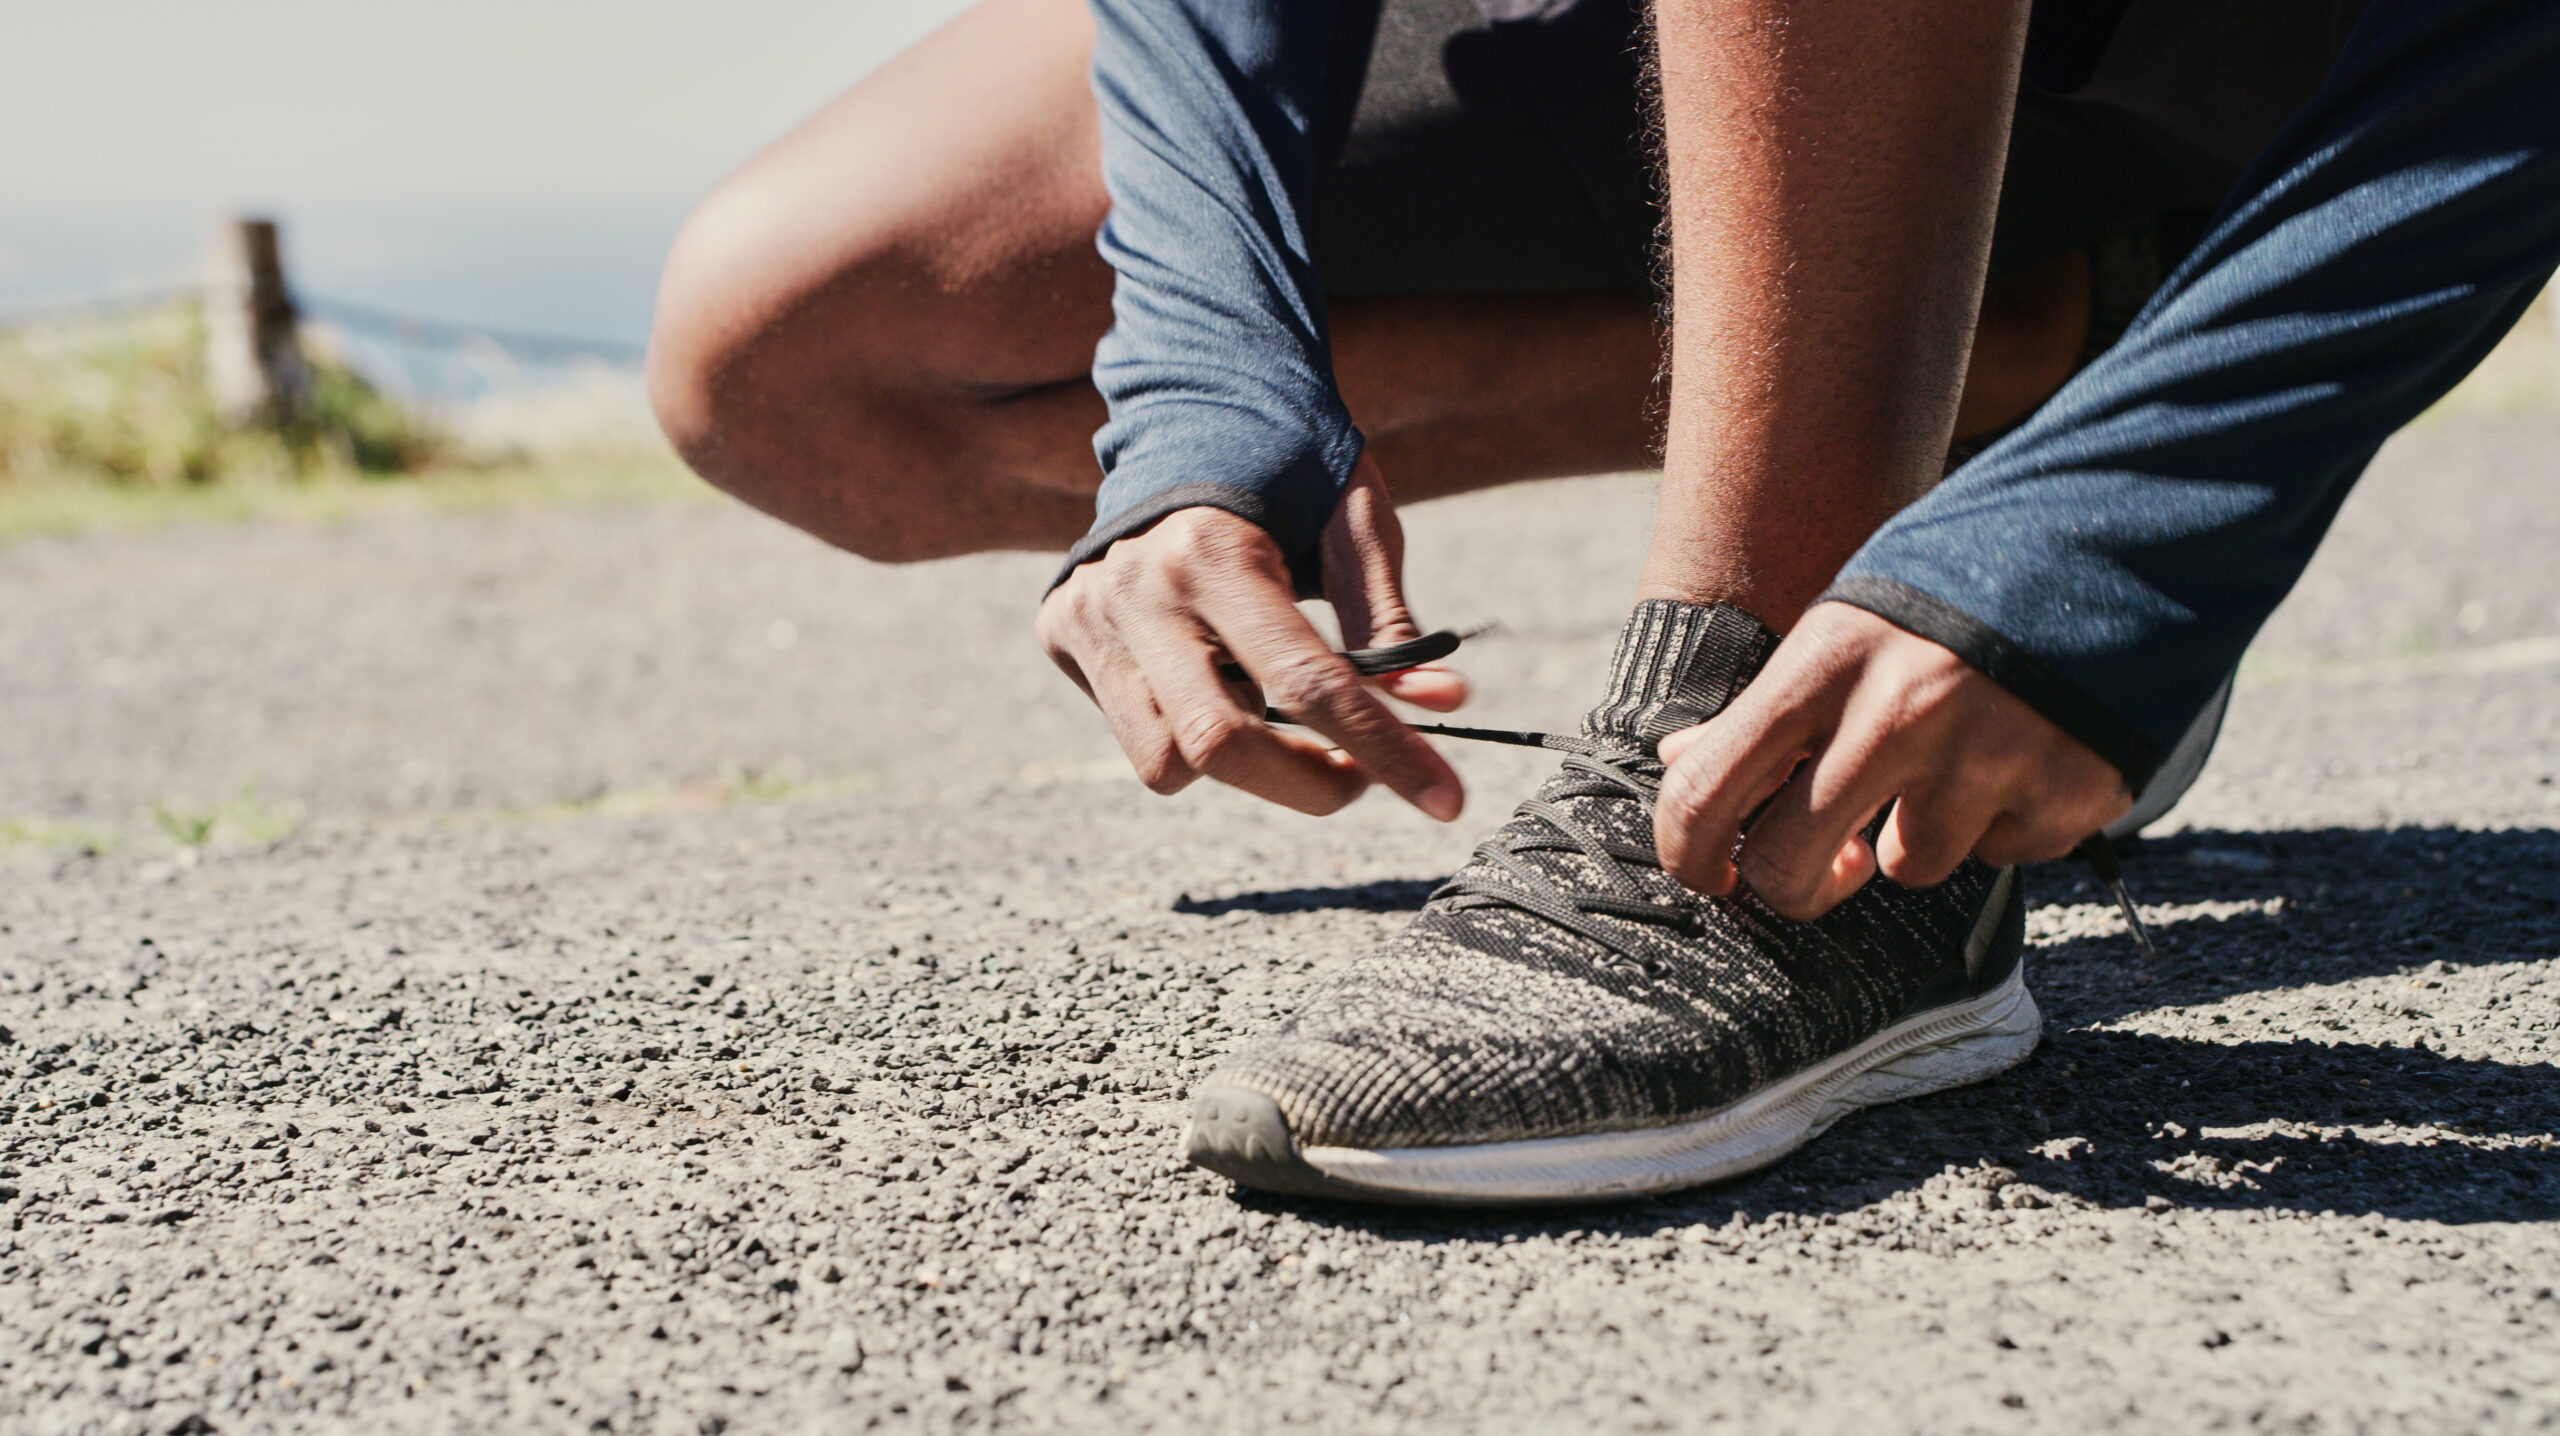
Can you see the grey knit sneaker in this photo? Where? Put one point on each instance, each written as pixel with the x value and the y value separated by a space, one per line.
pixel 1563 1021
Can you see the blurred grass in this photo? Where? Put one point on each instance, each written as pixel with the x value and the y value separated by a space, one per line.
pixel 107 424
pixel 124 402
pixel 245 817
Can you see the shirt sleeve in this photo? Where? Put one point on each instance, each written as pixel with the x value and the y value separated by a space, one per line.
pixel 1217 370
pixel 2110 560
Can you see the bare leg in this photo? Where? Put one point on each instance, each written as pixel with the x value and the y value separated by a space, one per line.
pixel 1833 170
pixel 880 329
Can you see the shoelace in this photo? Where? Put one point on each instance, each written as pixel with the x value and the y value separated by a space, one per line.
pixel 1566 908
pixel 1590 771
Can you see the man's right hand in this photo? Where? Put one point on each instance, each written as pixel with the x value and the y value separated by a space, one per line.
pixel 1144 628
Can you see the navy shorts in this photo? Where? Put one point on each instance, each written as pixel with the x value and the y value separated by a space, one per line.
pixel 1506 146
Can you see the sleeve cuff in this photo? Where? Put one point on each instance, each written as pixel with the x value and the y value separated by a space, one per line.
pixel 2065 703
pixel 1252 505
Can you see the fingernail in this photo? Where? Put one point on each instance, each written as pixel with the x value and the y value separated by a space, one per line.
pixel 1442 803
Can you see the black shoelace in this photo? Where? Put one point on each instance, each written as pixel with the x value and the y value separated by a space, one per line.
pixel 1591 770
pixel 1598 772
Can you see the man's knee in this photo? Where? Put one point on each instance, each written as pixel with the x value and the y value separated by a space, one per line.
pixel 722 354
pixel 762 366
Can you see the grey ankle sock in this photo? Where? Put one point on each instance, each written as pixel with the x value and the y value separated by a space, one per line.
pixel 1678 664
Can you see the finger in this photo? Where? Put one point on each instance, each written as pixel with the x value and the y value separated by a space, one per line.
pixel 2011 840
pixel 1793 855
pixel 1128 703
pixel 1442 690
pixel 2037 838
pixel 1672 746
pixel 1932 827
pixel 2056 798
pixel 1726 768
pixel 1100 664
pixel 1307 680
pixel 1363 558
pixel 1060 629
pixel 1800 873
pixel 1215 734
pixel 1363 562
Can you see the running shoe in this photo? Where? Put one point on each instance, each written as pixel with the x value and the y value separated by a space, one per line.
pixel 1565 1022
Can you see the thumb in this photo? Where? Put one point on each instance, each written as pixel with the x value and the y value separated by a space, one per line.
pixel 1363 565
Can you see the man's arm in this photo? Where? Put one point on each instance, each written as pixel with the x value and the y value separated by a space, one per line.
pixel 1833 170
pixel 1833 167
pixel 2117 553
pixel 2108 563
pixel 1217 368
pixel 1233 477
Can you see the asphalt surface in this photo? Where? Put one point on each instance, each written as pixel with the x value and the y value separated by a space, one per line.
pixel 667 977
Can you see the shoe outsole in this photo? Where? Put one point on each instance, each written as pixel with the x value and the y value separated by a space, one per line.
pixel 1239 1132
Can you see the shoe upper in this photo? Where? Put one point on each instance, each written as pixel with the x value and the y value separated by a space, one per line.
pixel 1562 984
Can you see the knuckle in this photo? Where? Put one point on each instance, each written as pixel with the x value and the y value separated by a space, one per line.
pixel 1682 802
pixel 1054 628
pixel 1218 538
pixel 1921 700
pixel 1122 583
pixel 1781 881
pixel 1920 865
pixel 1205 736
pixel 1309 682
pixel 1390 621
pixel 1988 760
pixel 1162 770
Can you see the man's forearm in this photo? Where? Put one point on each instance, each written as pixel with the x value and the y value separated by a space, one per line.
pixel 1217 370
pixel 2110 560
pixel 1833 169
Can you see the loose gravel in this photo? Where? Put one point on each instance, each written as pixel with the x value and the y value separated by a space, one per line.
pixel 712 984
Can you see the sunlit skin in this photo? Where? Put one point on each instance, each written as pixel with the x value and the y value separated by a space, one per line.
pixel 879 330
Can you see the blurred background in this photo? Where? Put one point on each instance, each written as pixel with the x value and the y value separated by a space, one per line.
pixel 473 198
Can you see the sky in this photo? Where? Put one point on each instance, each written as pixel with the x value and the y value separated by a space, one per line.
pixel 505 162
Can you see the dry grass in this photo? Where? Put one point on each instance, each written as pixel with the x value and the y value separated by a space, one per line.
pixel 106 424
pixel 123 402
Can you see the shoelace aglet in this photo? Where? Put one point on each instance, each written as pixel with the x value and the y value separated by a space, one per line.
pixel 2100 855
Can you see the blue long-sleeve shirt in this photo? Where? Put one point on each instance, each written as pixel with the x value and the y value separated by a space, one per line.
pixel 1217 368
pixel 2109 561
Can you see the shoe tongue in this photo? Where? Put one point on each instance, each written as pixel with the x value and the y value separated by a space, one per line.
pixel 1678 664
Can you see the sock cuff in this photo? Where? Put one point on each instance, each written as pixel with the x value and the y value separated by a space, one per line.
pixel 1677 665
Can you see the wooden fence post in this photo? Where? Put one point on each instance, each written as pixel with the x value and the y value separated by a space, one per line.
pixel 253 349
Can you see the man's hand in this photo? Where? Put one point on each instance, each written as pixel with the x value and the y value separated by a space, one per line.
pixel 1862 713
pixel 1143 629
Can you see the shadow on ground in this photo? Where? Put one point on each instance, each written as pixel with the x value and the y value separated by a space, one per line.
pixel 1395 895
pixel 2356 1118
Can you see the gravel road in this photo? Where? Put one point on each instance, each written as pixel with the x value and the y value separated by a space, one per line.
pixel 666 977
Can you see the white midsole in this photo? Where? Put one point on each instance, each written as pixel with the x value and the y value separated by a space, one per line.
pixel 1942 1048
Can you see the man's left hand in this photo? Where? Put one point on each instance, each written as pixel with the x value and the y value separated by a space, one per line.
pixel 1852 713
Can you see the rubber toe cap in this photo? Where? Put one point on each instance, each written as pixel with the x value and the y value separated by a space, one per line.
pixel 1238 1133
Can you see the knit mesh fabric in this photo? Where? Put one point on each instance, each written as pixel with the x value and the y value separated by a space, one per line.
pixel 1485 1023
